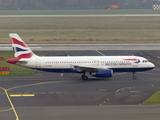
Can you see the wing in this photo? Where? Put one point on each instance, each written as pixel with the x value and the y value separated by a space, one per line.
pixel 87 68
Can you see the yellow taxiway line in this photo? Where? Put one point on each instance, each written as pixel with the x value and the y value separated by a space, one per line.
pixel 8 97
pixel 25 95
pixel 22 95
pixel 6 110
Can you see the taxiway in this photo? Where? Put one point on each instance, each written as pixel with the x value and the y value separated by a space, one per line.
pixel 52 96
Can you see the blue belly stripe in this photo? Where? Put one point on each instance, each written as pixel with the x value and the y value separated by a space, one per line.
pixel 76 71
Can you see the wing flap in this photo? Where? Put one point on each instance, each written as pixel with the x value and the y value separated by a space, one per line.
pixel 87 68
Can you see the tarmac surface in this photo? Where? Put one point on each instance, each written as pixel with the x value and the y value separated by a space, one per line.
pixel 53 96
pixel 64 47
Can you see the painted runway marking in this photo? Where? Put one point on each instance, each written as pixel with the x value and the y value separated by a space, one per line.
pixel 134 91
pixel 100 52
pixel 150 73
pixel 122 89
pixel 135 95
pixel 22 95
pixel 8 97
pixel 156 69
pixel 120 73
pixel 6 110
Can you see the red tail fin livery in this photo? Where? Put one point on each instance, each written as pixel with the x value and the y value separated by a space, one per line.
pixel 21 50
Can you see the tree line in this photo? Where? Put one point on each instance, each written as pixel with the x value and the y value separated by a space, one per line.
pixel 74 4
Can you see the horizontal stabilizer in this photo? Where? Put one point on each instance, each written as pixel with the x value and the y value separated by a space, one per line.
pixel 14 61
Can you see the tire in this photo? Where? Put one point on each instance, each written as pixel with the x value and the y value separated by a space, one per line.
pixel 134 77
pixel 84 77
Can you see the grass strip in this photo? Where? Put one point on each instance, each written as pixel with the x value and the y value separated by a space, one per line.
pixel 77 12
pixel 153 100
pixel 19 73
pixel 14 69
pixel 89 30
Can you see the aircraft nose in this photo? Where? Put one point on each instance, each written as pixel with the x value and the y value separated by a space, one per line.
pixel 152 65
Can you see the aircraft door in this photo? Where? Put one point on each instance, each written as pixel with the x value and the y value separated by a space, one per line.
pixel 38 62
pixel 135 62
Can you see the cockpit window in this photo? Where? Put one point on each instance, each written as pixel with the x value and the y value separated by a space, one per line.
pixel 144 61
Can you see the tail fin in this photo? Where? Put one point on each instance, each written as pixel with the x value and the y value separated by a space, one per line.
pixel 20 49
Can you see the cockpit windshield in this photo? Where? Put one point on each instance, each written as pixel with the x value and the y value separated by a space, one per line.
pixel 144 61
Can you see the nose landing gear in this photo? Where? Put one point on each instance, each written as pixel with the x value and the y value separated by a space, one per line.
pixel 134 76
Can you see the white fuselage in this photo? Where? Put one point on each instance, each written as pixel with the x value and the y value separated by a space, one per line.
pixel 66 63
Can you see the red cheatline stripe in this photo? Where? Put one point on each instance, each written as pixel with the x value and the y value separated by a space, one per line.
pixel 131 59
pixel 15 41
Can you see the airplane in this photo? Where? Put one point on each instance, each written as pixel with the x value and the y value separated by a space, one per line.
pixel 96 66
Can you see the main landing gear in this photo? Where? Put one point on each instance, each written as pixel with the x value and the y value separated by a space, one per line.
pixel 134 76
pixel 84 77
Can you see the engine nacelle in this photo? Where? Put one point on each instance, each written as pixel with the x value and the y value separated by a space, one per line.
pixel 102 73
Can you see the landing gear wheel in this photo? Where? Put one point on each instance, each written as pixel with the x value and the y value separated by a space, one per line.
pixel 84 77
pixel 134 77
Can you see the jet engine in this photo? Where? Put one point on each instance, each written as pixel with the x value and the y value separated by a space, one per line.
pixel 102 73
